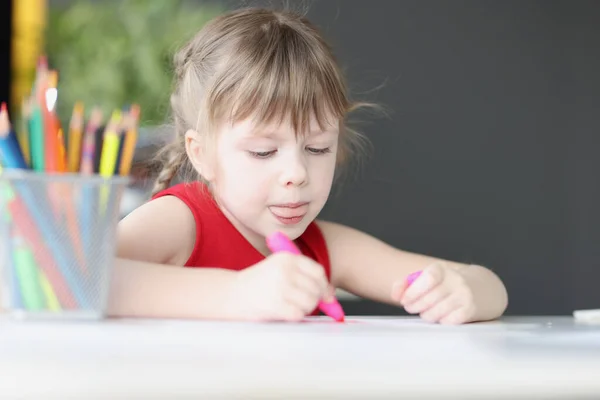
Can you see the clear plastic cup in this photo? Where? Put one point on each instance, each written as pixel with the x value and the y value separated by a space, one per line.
pixel 57 243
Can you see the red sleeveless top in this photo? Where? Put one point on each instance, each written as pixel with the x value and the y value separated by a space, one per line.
pixel 219 244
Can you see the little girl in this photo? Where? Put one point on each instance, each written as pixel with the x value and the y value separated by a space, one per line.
pixel 259 109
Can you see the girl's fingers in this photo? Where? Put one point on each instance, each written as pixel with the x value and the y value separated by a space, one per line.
pixel 431 277
pixel 458 316
pixel 302 299
pixel 429 300
pixel 308 285
pixel 441 310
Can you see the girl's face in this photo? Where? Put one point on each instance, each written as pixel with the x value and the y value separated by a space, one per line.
pixel 267 179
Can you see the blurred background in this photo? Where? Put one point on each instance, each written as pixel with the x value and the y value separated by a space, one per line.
pixel 489 153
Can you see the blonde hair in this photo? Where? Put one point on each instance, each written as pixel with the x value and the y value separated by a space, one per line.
pixel 261 63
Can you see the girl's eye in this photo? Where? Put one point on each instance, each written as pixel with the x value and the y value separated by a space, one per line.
pixel 318 151
pixel 262 154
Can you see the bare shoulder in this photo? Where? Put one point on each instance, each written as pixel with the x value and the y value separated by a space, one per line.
pixel 344 241
pixel 336 233
pixel 344 245
pixel 162 230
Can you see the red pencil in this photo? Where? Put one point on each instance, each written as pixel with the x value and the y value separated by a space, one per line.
pixel 27 228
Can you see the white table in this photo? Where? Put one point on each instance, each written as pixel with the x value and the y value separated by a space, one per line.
pixel 536 357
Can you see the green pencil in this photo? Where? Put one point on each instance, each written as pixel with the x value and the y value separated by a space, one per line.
pixel 36 138
pixel 27 275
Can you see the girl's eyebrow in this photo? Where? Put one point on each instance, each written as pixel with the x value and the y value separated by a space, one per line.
pixel 323 133
pixel 250 136
pixel 261 133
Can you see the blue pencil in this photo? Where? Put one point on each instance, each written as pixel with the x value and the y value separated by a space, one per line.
pixel 10 151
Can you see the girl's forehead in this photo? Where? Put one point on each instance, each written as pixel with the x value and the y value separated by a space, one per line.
pixel 251 128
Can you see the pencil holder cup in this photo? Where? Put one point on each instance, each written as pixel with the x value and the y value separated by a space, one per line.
pixel 57 243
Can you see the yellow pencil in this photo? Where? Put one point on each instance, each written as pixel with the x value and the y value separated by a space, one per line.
pixel 51 299
pixel 109 155
pixel 74 143
pixel 23 134
pixel 110 147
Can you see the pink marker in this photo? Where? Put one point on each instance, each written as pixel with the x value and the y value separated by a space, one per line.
pixel 280 242
pixel 412 277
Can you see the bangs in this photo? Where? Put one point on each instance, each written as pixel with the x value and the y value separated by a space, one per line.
pixel 280 76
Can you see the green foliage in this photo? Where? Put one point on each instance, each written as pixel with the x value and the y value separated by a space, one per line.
pixel 114 53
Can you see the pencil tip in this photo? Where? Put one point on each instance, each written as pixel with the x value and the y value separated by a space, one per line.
pixel 78 108
pixel 4 121
pixel 116 115
pixel 135 111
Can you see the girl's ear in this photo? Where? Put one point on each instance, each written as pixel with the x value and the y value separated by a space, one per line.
pixel 196 152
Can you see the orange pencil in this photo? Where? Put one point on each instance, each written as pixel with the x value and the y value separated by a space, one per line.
pixel 130 141
pixel 52 152
pixel 62 153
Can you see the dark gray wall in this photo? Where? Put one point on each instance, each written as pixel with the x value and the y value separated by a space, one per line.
pixel 490 153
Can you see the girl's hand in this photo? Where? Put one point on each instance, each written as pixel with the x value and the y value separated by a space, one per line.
pixel 439 294
pixel 283 286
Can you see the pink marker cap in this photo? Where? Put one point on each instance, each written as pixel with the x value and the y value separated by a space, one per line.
pixel 280 242
pixel 412 277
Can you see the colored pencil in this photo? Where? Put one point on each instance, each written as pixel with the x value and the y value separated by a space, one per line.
pixel 23 134
pixel 89 142
pixel 123 128
pixel 10 151
pixel 36 124
pixel 110 146
pixel 52 154
pixel 129 141
pixel 74 142
pixel 27 273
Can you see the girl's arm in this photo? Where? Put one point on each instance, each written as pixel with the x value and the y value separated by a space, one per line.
pixel 370 268
pixel 150 290
pixel 148 280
